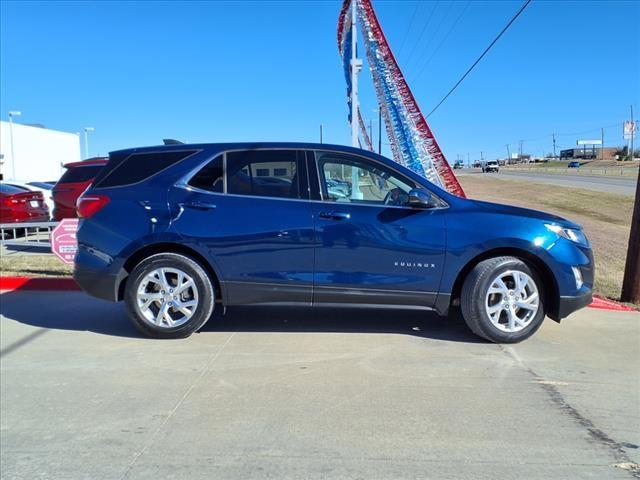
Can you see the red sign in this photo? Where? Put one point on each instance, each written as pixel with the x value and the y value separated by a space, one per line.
pixel 64 243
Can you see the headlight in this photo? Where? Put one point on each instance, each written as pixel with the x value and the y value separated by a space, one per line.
pixel 575 236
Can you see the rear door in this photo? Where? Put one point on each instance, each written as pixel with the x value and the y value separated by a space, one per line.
pixel 250 212
pixel 373 248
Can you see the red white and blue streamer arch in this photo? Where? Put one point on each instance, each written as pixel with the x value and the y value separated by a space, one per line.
pixel 412 142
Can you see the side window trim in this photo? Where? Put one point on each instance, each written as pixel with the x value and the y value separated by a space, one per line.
pixel 224 173
pixel 314 173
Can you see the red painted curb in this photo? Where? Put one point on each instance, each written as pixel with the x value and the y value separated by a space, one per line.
pixel 606 304
pixel 31 283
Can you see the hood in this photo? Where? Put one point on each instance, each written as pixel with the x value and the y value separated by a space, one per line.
pixel 524 212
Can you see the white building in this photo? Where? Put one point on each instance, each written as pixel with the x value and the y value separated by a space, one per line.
pixel 39 152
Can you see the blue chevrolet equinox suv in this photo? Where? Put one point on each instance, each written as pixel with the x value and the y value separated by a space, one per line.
pixel 176 231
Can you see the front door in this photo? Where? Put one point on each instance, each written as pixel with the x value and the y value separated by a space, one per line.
pixel 372 247
pixel 254 223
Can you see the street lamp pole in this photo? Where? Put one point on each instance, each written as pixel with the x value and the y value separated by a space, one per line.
pixel 13 113
pixel 86 140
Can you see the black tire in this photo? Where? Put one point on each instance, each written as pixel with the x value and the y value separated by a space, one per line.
pixel 474 294
pixel 206 295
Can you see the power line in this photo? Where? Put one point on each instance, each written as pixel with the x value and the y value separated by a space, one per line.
pixel 589 131
pixel 433 32
pixel 442 41
pixel 423 30
pixel 406 33
pixel 550 136
pixel 513 19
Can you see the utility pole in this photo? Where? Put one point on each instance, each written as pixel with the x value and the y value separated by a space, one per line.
pixel 631 281
pixel 553 135
pixel 481 157
pixel 520 150
pixel 633 133
pixel 602 144
pixel 508 154
pixel 371 132
pixel 468 160
pixel 320 133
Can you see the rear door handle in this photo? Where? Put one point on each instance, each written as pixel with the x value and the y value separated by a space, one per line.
pixel 335 215
pixel 200 206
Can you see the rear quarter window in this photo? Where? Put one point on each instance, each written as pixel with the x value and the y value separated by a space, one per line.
pixel 138 167
pixel 210 177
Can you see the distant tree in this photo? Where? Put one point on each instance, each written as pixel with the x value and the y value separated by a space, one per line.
pixel 623 154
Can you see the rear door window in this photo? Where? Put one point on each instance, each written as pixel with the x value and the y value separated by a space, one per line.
pixel 266 173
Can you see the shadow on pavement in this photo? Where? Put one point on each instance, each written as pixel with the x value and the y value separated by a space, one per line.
pixel 77 311
pixel 15 249
pixel 342 320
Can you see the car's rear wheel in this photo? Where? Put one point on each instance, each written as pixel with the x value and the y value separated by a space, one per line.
pixel 502 300
pixel 169 295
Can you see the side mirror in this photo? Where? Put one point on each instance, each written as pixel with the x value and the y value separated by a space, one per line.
pixel 421 199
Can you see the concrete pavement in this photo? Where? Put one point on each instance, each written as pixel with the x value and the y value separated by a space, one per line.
pixel 273 393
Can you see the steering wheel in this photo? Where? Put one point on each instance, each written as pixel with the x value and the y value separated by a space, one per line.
pixel 396 197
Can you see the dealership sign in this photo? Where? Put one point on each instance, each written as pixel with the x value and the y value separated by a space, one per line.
pixel 64 243
pixel 589 142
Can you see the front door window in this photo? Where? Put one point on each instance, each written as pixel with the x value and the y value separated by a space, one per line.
pixel 347 179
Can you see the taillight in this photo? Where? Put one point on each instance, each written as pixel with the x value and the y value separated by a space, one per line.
pixel 89 205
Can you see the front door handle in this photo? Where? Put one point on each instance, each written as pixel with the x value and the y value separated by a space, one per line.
pixel 335 215
pixel 200 205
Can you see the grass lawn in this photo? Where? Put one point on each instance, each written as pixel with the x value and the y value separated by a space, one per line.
pixel 37 265
pixel 606 218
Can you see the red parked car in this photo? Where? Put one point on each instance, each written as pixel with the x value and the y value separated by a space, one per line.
pixel 19 205
pixel 73 182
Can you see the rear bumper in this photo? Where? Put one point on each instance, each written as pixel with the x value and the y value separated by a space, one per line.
pixel 60 213
pixel 568 305
pixel 98 283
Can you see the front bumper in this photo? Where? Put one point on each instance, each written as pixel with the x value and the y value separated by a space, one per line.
pixel 568 305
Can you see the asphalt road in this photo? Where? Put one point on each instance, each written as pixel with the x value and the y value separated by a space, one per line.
pixel 621 185
pixel 271 393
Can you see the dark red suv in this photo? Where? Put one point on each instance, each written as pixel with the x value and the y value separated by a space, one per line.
pixel 73 182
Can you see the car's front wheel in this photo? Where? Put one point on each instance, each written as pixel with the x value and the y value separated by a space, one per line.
pixel 502 300
pixel 169 295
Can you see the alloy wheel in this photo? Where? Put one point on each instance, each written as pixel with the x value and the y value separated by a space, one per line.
pixel 167 297
pixel 512 301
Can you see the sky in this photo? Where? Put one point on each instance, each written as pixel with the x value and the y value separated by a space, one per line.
pixel 223 71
